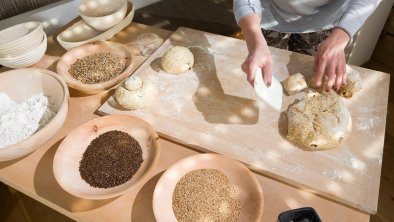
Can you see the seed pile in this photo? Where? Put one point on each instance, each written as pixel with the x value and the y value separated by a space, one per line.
pixel 205 195
pixel 110 160
pixel 97 68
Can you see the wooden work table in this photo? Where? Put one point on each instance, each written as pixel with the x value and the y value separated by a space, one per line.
pixel 33 175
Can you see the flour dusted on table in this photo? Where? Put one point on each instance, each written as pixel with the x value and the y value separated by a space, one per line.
pixel 18 121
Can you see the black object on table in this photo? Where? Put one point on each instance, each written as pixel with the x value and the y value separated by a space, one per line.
pixel 305 214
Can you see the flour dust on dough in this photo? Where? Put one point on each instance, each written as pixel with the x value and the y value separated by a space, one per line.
pixel 294 83
pixel 177 60
pixel 135 93
pixel 320 121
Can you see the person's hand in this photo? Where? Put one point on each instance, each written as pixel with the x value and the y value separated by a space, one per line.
pixel 260 57
pixel 330 60
pixel 259 54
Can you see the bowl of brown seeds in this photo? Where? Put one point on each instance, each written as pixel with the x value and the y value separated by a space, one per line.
pixel 208 187
pixel 95 67
pixel 106 157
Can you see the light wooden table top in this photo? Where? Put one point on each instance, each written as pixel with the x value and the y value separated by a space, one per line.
pixel 33 175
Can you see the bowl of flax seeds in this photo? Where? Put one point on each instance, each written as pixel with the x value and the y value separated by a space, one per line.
pixel 106 157
pixel 95 67
pixel 208 187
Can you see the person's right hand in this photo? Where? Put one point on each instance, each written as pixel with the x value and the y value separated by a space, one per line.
pixel 259 57
pixel 259 54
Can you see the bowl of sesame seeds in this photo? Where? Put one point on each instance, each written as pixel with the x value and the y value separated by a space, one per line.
pixel 106 157
pixel 208 187
pixel 95 67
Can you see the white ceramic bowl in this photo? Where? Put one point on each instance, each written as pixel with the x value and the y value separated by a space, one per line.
pixel 102 14
pixel 24 36
pixel 80 33
pixel 27 59
pixel 22 84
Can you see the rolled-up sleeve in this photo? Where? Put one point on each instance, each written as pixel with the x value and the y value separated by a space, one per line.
pixel 242 8
pixel 355 15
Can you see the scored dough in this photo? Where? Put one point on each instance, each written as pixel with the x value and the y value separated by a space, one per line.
pixel 294 83
pixel 320 121
pixel 138 97
pixel 177 60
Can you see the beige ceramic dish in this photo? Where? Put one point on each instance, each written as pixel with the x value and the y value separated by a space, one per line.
pixel 103 14
pixel 81 33
pixel 27 59
pixel 22 84
pixel 100 47
pixel 70 151
pixel 245 183
pixel 22 36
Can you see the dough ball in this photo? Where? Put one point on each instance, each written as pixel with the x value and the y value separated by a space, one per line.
pixel 320 121
pixel 294 83
pixel 133 83
pixel 177 60
pixel 138 98
pixel 353 83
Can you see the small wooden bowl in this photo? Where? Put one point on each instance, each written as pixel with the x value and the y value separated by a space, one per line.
pixel 245 183
pixel 85 50
pixel 70 151
pixel 22 84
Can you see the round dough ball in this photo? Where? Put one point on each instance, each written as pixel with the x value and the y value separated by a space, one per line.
pixel 136 99
pixel 320 121
pixel 177 60
pixel 133 83
pixel 353 83
pixel 294 83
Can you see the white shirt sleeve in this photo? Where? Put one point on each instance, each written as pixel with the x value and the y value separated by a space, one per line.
pixel 243 8
pixel 355 15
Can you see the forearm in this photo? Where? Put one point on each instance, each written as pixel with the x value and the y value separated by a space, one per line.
pixel 355 15
pixel 251 29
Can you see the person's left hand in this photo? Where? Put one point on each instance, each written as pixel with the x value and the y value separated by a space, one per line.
pixel 330 60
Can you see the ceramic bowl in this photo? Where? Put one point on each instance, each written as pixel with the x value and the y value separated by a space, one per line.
pixel 81 33
pixel 102 14
pixel 27 59
pixel 245 183
pixel 21 84
pixel 79 52
pixel 70 151
pixel 20 38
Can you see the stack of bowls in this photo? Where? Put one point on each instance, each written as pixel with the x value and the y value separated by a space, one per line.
pixel 102 14
pixel 22 45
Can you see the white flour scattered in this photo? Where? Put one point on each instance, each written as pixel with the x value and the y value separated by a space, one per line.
pixel 368 123
pixel 19 121
pixel 333 174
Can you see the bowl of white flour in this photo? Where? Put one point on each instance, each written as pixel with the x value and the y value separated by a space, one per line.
pixel 33 107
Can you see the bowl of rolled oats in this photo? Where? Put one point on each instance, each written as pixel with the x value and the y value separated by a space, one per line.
pixel 95 67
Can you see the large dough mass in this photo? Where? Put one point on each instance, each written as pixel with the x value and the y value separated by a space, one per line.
pixel 177 60
pixel 320 121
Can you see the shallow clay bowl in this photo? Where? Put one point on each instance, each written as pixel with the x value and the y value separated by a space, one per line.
pixel 79 52
pixel 245 183
pixel 21 84
pixel 70 151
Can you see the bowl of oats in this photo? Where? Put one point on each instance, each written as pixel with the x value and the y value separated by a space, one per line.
pixel 95 67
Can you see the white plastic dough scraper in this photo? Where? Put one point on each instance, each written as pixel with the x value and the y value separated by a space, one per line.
pixel 272 95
